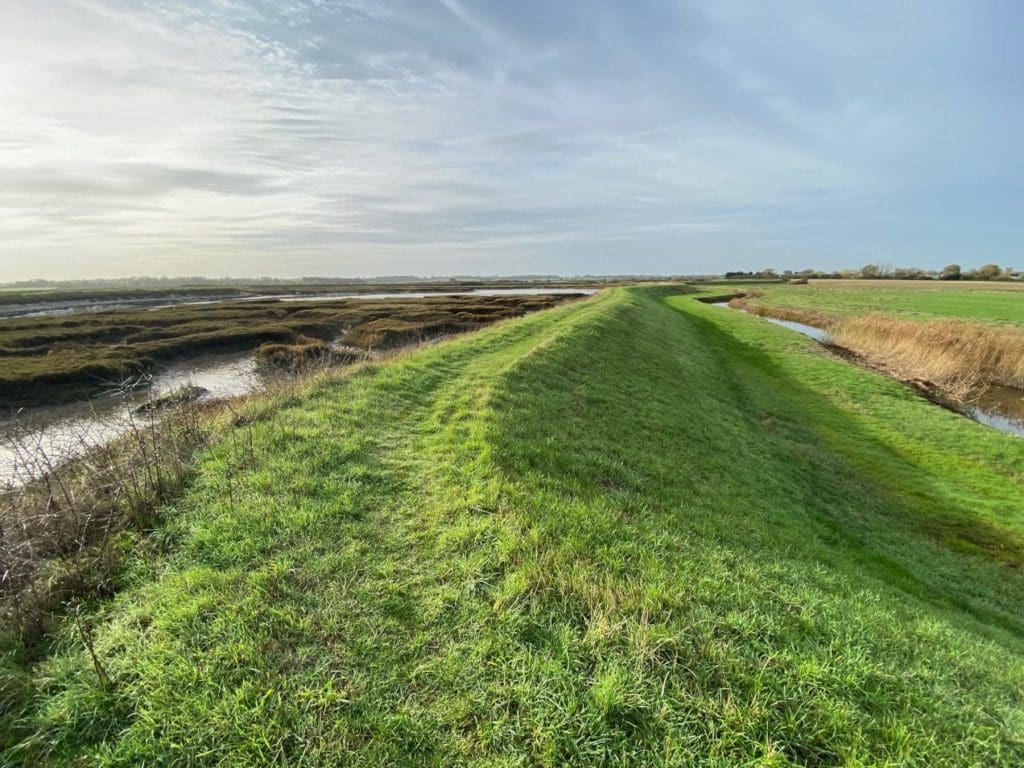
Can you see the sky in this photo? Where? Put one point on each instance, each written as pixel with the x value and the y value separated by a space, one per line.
pixel 433 137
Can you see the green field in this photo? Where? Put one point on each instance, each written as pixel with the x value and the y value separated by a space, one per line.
pixel 914 299
pixel 634 530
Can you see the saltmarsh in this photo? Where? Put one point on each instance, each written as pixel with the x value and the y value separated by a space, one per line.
pixel 632 530
pixel 49 359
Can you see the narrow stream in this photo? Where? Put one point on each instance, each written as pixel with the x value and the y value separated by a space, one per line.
pixel 38 438
pixel 1001 408
pixel 818 334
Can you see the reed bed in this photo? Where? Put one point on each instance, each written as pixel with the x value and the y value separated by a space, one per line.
pixel 960 356
pixel 805 316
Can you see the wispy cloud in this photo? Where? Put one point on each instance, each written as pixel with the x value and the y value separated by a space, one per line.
pixel 374 136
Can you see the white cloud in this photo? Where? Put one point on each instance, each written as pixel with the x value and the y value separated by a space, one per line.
pixel 250 136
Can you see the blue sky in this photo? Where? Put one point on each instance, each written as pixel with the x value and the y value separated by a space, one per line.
pixel 365 137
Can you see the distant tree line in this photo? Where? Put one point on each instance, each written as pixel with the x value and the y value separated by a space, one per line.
pixel 879 270
pixel 150 282
pixel 883 271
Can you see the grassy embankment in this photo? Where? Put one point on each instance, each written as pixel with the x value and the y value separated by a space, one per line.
pixel 635 530
pixel 962 337
pixel 48 359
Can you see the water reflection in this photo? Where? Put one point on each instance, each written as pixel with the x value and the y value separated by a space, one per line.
pixel 36 439
pixel 1001 408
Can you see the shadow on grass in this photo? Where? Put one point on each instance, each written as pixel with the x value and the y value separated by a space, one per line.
pixel 649 415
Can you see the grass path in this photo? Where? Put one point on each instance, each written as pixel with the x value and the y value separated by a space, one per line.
pixel 634 530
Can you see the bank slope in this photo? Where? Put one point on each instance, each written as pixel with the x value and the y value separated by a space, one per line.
pixel 634 530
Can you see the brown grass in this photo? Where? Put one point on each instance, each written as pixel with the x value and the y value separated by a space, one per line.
pixel 805 316
pixel 961 357
pixel 303 356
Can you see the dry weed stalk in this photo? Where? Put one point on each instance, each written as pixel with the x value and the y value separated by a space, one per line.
pixel 59 516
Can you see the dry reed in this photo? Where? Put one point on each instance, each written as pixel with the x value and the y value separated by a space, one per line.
pixel 62 522
pixel 961 357
pixel 805 316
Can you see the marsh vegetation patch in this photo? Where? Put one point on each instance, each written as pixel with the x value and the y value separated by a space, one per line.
pixel 49 359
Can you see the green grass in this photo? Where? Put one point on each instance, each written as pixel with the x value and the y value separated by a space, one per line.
pixel 925 300
pixel 635 530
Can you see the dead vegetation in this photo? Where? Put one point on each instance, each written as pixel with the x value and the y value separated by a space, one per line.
pixel 66 526
pixel 956 359
pixel 303 356
pixel 805 316
pixel 961 357
pixel 389 333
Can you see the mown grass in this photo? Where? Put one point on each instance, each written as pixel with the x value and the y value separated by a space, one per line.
pixel 49 359
pixel 631 531
pixel 909 299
